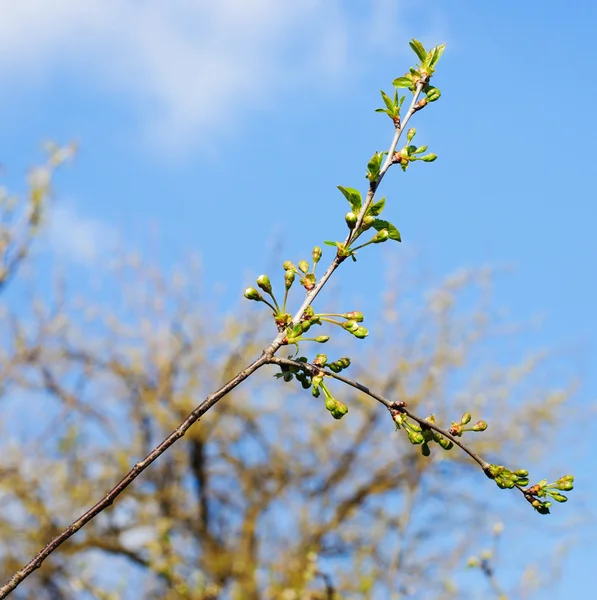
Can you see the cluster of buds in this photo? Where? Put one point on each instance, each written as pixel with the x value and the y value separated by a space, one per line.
pixel 457 429
pixel 419 433
pixel 506 479
pixel 304 271
pixel 410 153
pixel 544 489
pixel 310 376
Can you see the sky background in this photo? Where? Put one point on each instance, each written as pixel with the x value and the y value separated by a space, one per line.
pixel 221 129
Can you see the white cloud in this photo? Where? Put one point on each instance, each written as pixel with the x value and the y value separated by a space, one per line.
pixel 77 238
pixel 191 66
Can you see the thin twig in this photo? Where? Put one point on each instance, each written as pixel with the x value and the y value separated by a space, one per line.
pixel 212 399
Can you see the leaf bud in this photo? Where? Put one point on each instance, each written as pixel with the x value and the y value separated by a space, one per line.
pixel 316 254
pixel 410 134
pixel 264 283
pixel 252 294
pixel 432 94
pixel 320 360
pixel 480 426
pixel 351 220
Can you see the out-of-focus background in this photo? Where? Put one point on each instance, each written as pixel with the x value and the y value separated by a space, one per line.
pixel 210 141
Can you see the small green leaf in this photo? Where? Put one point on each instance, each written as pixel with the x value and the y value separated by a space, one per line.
pixel 429 157
pixel 376 208
pixel 394 234
pixel 329 243
pixel 418 49
pixel 353 196
pixel 374 166
pixel 419 150
pixel 436 54
pixel 383 110
pixel 387 101
pixel 403 82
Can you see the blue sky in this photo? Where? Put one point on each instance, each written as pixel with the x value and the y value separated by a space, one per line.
pixel 214 128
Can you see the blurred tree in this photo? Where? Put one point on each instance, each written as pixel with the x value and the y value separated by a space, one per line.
pixel 267 497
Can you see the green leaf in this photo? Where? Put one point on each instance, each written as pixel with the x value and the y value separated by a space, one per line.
pixel 420 150
pixel 353 196
pixel 418 49
pixel 329 243
pixel 437 53
pixel 380 224
pixel 374 166
pixel 387 100
pixel 375 209
pixel 383 110
pixel 403 82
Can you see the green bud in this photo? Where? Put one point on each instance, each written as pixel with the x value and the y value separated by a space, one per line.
pixel 432 94
pixel 288 376
pixel 480 426
pixel 361 333
pixel 331 403
pixel 335 367
pixel 288 266
pixel 252 294
pixel 289 278
pixel 322 339
pixel 522 473
pixel 315 392
pixel 559 497
pixel 368 222
pixel 410 134
pixel 466 418
pixel 421 149
pixel 303 266
pixel 565 486
pixel 340 411
pixel 305 383
pixel 523 482
pixel 264 283
pixel 355 315
pixel 382 236
pixel 425 450
pixel 415 437
pixel 316 254
pixel 344 362
pixel 429 157
pixel 351 220
pixel 305 326
pixel 351 326
pixel 445 443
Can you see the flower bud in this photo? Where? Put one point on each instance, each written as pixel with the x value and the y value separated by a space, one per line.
pixel 361 333
pixel 354 315
pixel 289 278
pixel 288 376
pixel 264 283
pixel 429 157
pixel 445 443
pixel 322 339
pixel 351 326
pixel 425 450
pixel 303 266
pixel 252 294
pixel 316 254
pixel 480 426
pixel 521 473
pixel 559 497
pixel 340 410
pixel 368 222
pixel 351 220
pixel 331 403
pixel 382 236
pixel 415 437
pixel 410 134
pixel 466 418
